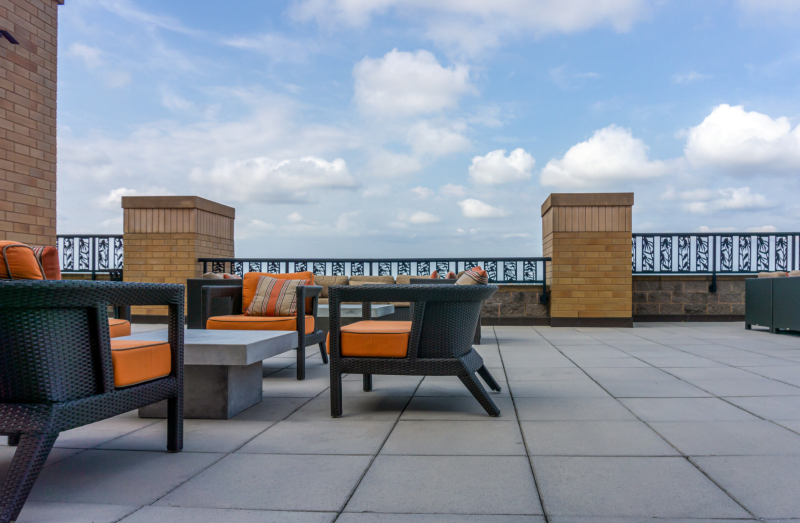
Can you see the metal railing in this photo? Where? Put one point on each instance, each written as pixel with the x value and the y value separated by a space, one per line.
pixel 501 270
pixel 714 253
pixel 91 253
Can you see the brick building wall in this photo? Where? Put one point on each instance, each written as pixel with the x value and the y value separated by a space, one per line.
pixel 28 75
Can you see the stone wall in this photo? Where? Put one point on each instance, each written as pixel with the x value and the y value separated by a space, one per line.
pixel 688 296
pixel 28 121
pixel 515 304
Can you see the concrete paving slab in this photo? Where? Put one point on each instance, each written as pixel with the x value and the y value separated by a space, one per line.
pixel 95 434
pixel 766 485
pixel 212 515
pixel 366 407
pixel 594 438
pixel 452 386
pixel 332 436
pixel 727 438
pixel 633 487
pixel 198 436
pixel 578 388
pixel 455 408
pixel 272 482
pixel 37 512
pixel 118 477
pixel 455 438
pixel 56 455
pixel 350 517
pixel 447 484
pixel 685 409
pixel 572 409
pixel 770 407
pixel 534 374
pixel 747 387
pixel 662 388
pixel 271 409
pixel 404 387
pixel 640 373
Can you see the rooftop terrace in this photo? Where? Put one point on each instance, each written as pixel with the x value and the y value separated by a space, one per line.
pixel 696 420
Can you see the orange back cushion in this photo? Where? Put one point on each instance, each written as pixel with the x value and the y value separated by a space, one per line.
pixel 48 257
pixel 18 262
pixel 275 297
pixel 250 284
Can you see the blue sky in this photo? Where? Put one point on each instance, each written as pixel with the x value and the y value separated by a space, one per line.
pixel 429 128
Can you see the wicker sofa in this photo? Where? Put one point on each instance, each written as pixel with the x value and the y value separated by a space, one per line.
pixel 61 369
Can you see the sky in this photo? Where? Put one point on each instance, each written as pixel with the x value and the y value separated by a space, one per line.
pixel 405 128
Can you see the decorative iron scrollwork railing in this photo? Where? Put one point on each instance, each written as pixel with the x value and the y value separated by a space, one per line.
pixel 91 253
pixel 715 253
pixel 501 270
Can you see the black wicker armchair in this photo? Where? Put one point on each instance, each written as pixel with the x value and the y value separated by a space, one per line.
pixel 304 338
pixel 439 337
pixel 58 371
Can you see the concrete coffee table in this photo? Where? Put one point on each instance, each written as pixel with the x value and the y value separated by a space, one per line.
pixel 222 369
pixel 352 310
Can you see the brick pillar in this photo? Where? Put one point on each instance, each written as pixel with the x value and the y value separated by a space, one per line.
pixel 28 121
pixel 588 235
pixel 165 235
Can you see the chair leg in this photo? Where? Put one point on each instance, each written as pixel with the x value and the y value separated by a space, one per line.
pixel 25 467
pixel 748 327
pixel 488 378
pixel 13 440
pixel 336 395
pixel 301 362
pixel 175 424
pixel 474 385
pixel 367 382
pixel 323 352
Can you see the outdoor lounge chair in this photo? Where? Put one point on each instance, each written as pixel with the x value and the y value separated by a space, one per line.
pixel 61 370
pixel 304 322
pixel 436 342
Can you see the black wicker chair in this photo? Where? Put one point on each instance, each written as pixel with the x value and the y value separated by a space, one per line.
pixel 440 342
pixel 56 370
pixel 234 292
pixel 446 281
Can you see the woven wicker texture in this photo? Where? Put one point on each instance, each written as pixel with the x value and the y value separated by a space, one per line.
pixel 442 329
pixel 56 371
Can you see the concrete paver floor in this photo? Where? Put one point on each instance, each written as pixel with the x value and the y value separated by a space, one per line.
pixel 666 420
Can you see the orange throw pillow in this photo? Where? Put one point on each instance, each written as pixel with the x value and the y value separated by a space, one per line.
pixel 435 275
pixel 450 276
pixel 18 262
pixel 48 257
pixel 275 297
pixel 474 276
pixel 251 282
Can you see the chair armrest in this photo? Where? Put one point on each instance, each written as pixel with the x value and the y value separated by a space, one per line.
pixel 303 292
pixel 122 312
pixel 218 291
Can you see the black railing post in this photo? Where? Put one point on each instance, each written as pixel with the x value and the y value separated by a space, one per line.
pixel 713 286
pixel 543 298
pixel 93 258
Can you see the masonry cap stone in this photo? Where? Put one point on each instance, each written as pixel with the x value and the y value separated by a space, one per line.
pixel 177 202
pixel 609 199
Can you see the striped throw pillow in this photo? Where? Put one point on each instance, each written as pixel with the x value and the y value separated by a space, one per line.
pixel 474 276
pixel 275 297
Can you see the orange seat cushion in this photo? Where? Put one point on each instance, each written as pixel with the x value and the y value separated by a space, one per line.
pixel 240 322
pixel 48 257
pixel 117 328
pixel 375 339
pixel 250 284
pixel 20 260
pixel 139 361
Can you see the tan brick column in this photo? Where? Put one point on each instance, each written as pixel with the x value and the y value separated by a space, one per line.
pixel 28 121
pixel 165 235
pixel 588 235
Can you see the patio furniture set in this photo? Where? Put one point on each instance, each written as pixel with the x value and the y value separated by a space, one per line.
pixel 65 364
pixel 773 300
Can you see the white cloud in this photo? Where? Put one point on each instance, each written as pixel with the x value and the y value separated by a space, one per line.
pixel 770 6
pixel 91 56
pixel 564 78
pixel 173 102
pixel 520 235
pixel 421 217
pixel 295 217
pixel 470 26
pixel 453 190
pixel 278 47
pixel 430 139
pixel 611 155
pixel 406 84
pixel 705 201
pixel 763 228
pixel 496 168
pixel 422 192
pixel 386 164
pixel 377 191
pixel 116 78
pixel 743 142
pixel 690 77
pixel 472 208
pixel 113 200
pixel 263 179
